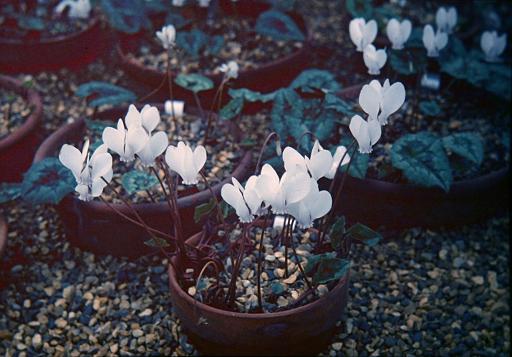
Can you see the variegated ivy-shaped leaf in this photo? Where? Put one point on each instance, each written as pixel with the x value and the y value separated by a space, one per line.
pixel 468 145
pixel 136 181
pixel 194 82
pixel 279 26
pixel 102 93
pixel 9 192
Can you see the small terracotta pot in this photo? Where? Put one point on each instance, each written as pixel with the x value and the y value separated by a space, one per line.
pixel 304 330
pixel 266 78
pixel 71 50
pixel 399 206
pixel 94 226
pixel 3 235
pixel 17 149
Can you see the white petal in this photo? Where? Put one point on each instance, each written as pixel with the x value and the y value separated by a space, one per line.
pixel 374 131
pixel 71 158
pixel 293 160
pixel 199 157
pixel 295 186
pixel 359 129
pixel 321 205
pixel 392 100
pixel 114 139
pixel 320 164
pixel 370 32
pixel 369 100
pixel 150 118
pixel 133 117
pixel 101 165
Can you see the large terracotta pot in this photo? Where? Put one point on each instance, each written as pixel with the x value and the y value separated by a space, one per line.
pixel 95 227
pixel 304 330
pixel 17 149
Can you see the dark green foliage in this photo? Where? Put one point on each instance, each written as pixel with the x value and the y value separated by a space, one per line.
pixel 136 181
pixel 232 109
pixel 279 26
pixel 176 20
pixel 156 242
pixel 47 181
pixel 468 145
pixel 360 8
pixel 430 108
pixel 364 234
pixel 194 82
pixel 129 16
pixel 407 61
pixel 326 267
pixel 313 79
pixel 9 192
pixel 195 42
pixel 337 232
pixel 105 93
pixel 203 210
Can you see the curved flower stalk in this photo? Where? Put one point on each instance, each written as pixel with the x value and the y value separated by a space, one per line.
pixel 246 201
pixel 230 70
pixel 434 42
pixel 89 171
pixel 187 163
pixel 379 102
pixel 175 107
pixel 128 140
pixel 493 45
pixel 374 59
pixel 446 19
pixel 78 9
pixel 362 33
pixel 398 33
pixel 366 133
pixel 279 193
pixel 315 205
pixel 167 36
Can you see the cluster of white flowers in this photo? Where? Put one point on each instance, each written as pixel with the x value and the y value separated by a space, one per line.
pixel 363 34
pixel 296 192
pixel 133 138
pixel 78 9
pixel 435 41
pixel 379 102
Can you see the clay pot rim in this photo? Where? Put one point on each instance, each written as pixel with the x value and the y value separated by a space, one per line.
pixel 95 21
pixel 60 136
pixel 458 188
pixel 130 61
pixel 241 315
pixel 3 235
pixel 33 119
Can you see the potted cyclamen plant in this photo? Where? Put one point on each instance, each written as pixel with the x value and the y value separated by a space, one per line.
pixel 229 34
pixel 37 36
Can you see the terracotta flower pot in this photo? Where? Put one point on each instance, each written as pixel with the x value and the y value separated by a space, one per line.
pixel 406 205
pixel 266 78
pixel 17 149
pixel 70 50
pixel 304 330
pixel 95 227
pixel 3 235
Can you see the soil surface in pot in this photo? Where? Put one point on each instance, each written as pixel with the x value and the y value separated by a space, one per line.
pixel 453 114
pixel 14 25
pixel 241 44
pixel 283 285
pixel 14 110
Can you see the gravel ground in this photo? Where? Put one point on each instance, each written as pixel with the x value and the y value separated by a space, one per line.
pixel 426 293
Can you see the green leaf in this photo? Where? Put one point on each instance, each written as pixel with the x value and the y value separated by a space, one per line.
pixel 97 126
pixel 251 96
pixel 129 16
pixel 277 288
pixel 9 192
pixel 47 181
pixel 314 260
pixel 468 145
pixel 422 159
pixel 31 23
pixel 337 232
pixel 194 82
pixel 177 20
pixel 331 269
pixel 283 5
pixel 105 93
pixel 215 44
pixel 279 26
pixel 312 79
pixel 232 109
pixel 203 210
pixel 407 61
pixel 192 41
pixel 364 234
pixel 136 181
pixel 157 242
pixel 360 8
pixel 430 108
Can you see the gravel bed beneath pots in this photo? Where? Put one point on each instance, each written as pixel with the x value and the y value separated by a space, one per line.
pixel 13 112
pixel 433 292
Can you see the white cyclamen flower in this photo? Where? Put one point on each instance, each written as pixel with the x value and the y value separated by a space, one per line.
pixel 362 33
pixel 167 36
pixel 318 165
pixel 185 162
pixel 89 171
pixel 446 20
pixel 316 204
pixel 434 42
pixel 78 9
pixel 279 193
pixel 366 133
pixel 125 141
pixel 177 106
pixel 246 201
pixel 398 33
pixel 203 3
pixel 379 102
pixel 340 153
pixel 230 70
pixel 178 3
pixel 374 59
pixel 493 45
